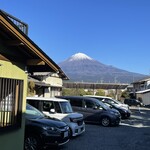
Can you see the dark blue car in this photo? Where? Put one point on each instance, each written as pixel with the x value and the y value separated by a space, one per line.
pixel 41 131
pixel 94 111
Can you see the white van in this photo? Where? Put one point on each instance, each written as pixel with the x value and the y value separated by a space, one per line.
pixel 59 109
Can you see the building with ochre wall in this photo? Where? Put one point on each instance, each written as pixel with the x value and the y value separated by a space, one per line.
pixel 19 57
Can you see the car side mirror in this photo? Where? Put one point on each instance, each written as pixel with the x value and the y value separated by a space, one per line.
pixel 95 107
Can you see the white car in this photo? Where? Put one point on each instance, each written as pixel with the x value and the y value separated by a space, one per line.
pixel 59 109
pixel 109 100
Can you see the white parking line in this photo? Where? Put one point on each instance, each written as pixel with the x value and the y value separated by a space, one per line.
pixel 139 125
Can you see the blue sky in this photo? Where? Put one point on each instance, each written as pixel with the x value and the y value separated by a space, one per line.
pixel 114 32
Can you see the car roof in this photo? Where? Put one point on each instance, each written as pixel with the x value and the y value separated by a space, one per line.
pixel 97 96
pixel 47 99
pixel 80 97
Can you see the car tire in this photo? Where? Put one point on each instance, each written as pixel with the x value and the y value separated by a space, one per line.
pixel 32 142
pixel 105 121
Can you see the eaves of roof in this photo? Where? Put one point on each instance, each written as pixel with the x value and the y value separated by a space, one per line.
pixel 142 80
pixel 37 82
pixel 27 43
pixel 144 91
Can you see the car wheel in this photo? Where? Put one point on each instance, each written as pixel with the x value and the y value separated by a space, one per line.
pixel 105 121
pixel 32 142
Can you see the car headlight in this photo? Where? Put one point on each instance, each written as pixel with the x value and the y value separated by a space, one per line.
pixel 76 119
pixel 50 128
pixel 73 120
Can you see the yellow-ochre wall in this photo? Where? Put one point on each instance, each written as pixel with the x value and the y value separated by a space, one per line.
pixel 14 140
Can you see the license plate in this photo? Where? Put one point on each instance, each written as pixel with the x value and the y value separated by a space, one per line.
pixel 66 134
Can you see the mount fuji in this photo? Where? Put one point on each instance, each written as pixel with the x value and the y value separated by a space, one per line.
pixel 82 68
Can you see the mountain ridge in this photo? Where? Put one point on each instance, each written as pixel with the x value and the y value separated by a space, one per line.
pixel 80 67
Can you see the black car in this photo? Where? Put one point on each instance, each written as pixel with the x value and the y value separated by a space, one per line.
pixel 41 131
pixel 94 111
pixel 125 113
pixel 133 102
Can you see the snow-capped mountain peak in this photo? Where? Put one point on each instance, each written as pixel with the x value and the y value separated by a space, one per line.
pixel 79 56
pixel 80 67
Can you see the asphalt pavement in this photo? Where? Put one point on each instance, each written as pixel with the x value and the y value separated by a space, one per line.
pixel 131 134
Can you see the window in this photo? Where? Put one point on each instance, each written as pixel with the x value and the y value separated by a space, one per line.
pixel 11 94
pixel 47 106
pixel 34 103
pixel 55 91
pixel 76 102
pixel 66 107
pixel 89 104
pixel 57 107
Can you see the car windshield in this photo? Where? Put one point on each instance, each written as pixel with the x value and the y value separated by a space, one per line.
pixel 66 107
pixel 101 104
pixel 33 113
pixel 111 101
pixel 117 102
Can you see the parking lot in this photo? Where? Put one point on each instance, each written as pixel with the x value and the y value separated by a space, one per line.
pixel 131 134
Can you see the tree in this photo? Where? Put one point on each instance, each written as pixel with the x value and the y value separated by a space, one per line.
pixel 89 92
pixel 125 94
pixel 67 91
pixel 81 92
pixel 100 92
pixel 31 88
pixel 111 93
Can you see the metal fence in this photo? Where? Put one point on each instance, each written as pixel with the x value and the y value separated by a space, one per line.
pixel 11 94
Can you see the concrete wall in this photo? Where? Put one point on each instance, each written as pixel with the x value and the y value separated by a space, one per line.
pixel 14 140
pixel 54 82
pixel 145 97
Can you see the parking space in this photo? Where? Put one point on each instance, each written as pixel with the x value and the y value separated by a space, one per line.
pixel 131 134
